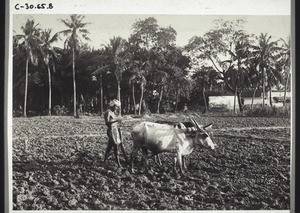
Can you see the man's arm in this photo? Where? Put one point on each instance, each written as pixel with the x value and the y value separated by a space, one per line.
pixel 110 120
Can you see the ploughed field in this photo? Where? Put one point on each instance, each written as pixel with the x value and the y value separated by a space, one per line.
pixel 58 164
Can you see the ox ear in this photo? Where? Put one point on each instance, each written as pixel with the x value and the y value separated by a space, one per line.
pixel 208 127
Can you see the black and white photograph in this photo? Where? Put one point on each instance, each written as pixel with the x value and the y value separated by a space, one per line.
pixel 149 111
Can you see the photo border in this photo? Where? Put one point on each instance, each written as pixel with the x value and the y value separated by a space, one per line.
pixel 8 89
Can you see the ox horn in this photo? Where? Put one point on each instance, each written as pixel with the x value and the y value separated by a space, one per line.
pixel 195 123
pixel 208 126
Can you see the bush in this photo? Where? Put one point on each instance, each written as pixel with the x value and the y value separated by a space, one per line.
pixel 17 113
pixel 57 110
pixel 259 111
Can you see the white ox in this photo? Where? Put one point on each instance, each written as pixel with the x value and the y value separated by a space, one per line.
pixel 169 138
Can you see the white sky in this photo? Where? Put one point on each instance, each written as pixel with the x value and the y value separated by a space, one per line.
pixel 103 27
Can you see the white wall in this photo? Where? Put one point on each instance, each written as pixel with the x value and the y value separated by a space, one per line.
pixel 280 94
pixel 228 101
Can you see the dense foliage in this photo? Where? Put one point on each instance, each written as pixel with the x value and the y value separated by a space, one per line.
pixel 146 71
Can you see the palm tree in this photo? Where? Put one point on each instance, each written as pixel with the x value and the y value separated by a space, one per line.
pixel 137 78
pixel 286 60
pixel 240 58
pixel 179 83
pixel 264 52
pixel 132 82
pixel 163 79
pixel 75 32
pixel 30 42
pixel 254 77
pixel 275 77
pixel 100 72
pixel 48 54
pixel 205 78
pixel 142 81
pixel 118 56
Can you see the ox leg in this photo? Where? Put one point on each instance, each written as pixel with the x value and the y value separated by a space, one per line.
pixel 145 157
pixel 132 156
pixel 157 159
pixel 183 163
pixel 179 159
pixel 175 164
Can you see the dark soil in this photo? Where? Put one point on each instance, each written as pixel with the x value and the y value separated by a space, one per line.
pixel 58 165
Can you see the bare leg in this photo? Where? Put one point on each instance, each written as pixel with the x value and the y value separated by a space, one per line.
pixel 109 147
pixel 117 155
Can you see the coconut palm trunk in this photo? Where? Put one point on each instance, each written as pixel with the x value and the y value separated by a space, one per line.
pixel 285 88
pixel 101 96
pixel 133 98
pixel 141 99
pixel 49 78
pixel 177 99
pixel 253 96
pixel 160 98
pixel 271 103
pixel 204 99
pixel 26 88
pixel 119 96
pixel 263 87
pixel 74 83
pixel 234 101
pixel 128 104
pixel 240 101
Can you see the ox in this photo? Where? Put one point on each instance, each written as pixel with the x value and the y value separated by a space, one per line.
pixel 169 138
pixel 180 125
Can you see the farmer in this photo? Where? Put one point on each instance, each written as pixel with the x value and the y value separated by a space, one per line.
pixel 113 131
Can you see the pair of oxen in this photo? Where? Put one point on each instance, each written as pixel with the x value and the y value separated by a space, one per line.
pixel 178 138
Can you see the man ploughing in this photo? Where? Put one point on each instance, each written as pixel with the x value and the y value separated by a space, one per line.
pixel 113 131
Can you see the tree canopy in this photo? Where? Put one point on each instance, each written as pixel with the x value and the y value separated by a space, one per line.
pixel 147 71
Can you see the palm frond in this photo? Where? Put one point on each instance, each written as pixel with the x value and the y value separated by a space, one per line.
pixel 81 25
pixel 85 37
pixel 18 36
pixel 65 32
pixel 100 70
pixel 54 38
pixel 85 31
pixel 67 23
